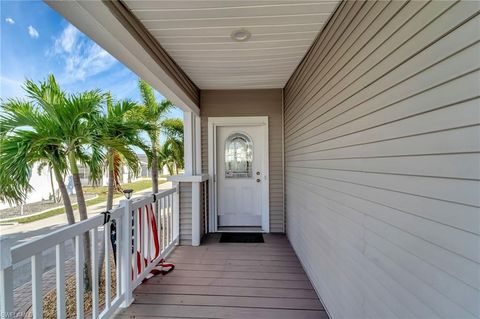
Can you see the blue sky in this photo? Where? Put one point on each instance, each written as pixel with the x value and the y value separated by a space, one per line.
pixel 36 41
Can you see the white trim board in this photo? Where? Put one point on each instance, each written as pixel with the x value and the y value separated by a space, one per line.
pixel 213 123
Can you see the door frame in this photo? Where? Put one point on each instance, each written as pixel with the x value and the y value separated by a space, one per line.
pixel 213 124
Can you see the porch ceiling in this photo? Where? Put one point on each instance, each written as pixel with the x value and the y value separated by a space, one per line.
pixel 197 35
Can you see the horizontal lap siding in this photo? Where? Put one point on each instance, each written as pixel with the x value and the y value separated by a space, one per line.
pixel 382 165
pixel 268 102
pixel 185 213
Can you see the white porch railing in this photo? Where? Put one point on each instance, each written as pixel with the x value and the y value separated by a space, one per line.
pixel 128 271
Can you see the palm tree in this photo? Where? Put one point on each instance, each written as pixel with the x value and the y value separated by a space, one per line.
pixel 173 146
pixel 118 131
pixel 73 116
pixel 153 113
pixel 28 137
pixel 166 157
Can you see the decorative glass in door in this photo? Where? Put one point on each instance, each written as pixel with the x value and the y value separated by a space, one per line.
pixel 238 156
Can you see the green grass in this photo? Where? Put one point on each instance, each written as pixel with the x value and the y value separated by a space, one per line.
pixel 102 197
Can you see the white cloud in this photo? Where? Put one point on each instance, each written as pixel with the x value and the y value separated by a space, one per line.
pixel 66 41
pixel 82 57
pixel 10 21
pixel 33 32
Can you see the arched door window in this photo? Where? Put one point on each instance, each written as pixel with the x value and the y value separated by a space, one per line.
pixel 238 156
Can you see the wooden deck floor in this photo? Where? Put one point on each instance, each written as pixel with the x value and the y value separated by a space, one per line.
pixel 225 280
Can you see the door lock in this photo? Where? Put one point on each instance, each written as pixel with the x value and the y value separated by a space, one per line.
pixel 258 173
pixel 258 180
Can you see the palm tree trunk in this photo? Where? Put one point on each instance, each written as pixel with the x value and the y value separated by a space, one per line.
pixel 52 185
pixel 82 209
pixel 154 169
pixel 65 198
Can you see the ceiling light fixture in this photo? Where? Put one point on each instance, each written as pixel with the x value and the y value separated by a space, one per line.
pixel 241 35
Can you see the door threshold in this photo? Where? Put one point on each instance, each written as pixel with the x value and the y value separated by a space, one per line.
pixel 239 229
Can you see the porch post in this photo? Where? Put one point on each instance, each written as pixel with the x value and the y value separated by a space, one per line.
pixel 125 252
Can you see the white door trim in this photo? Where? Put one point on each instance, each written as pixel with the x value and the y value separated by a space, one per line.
pixel 213 123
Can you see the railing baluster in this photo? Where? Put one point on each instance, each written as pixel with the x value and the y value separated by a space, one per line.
pixel 118 269
pixel 60 277
pixel 106 241
pixel 169 229
pixel 135 243
pixel 171 217
pixel 176 214
pixel 94 240
pixel 167 222
pixel 148 236
pixel 141 236
pixel 79 275
pixel 205 206
pixel 37 296
pixel 162 233
pixel 160 229
pixel 6 277
pixel 158 204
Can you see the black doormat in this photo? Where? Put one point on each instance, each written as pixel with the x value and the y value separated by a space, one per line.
pixel 241 238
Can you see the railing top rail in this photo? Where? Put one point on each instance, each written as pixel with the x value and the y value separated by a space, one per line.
pixel 141 201
pixel 28 249
pixel 166 192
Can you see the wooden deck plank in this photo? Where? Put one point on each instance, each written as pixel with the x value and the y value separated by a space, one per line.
pixel 229 280
pixel 238 262
pixel 228 291
pixel 259 283
pixel 232 257
pixel 232 254
pixel 252 274
pixel 230 267
pixel 229 301
pixel 150 311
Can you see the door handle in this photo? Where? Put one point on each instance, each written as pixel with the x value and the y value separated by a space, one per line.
pixel 258 180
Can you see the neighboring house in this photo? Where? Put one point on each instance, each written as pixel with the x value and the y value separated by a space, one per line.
pixel 127 175
pixel 41 182
pixel 349 129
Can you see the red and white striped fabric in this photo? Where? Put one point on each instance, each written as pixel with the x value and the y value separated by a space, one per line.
pixel 147 234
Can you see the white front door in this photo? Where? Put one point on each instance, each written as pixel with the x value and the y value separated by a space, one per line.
pixel 241 174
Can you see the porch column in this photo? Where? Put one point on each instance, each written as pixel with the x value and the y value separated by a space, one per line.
pixel 191 180
pixel 192 145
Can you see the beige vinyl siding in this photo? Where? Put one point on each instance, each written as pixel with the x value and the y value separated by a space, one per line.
pixel 185 213
pixel 266 102
pixel 382 165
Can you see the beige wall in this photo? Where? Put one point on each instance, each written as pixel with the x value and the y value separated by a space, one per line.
pixel 382 147
pixel 251 103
